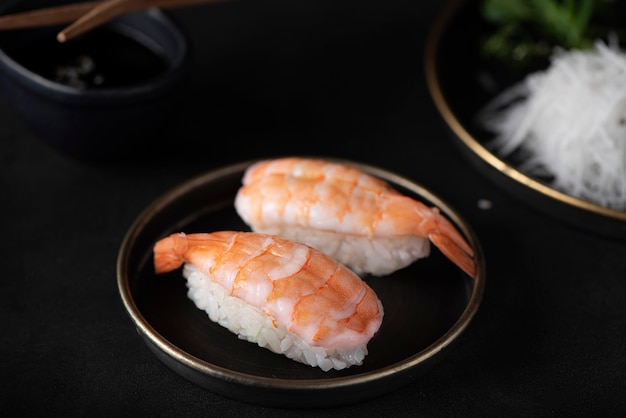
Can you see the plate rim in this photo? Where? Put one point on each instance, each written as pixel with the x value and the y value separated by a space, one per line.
pixel 300 386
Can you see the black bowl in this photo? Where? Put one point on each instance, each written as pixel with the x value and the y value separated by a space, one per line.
pixel 131 76
pixel 461 82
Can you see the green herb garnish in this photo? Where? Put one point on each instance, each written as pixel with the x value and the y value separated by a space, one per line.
pixel 528 29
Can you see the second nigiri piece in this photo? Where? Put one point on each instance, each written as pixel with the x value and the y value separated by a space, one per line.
pixel 354 217
pixel 283 295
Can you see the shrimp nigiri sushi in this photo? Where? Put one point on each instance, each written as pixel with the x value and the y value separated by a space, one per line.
pixel 354 217
pixel 283 295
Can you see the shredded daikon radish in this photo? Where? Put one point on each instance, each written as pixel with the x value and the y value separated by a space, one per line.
pixel 569 122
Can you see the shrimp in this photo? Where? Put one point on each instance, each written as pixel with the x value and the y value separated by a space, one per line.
pixel 354 217
pixel 294 290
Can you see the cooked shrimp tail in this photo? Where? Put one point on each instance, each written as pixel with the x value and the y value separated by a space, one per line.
pixel 452 244
pixel 169 253
pixel 414 217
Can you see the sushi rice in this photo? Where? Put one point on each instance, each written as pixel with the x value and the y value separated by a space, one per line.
pixel 249 324
pixel 378 256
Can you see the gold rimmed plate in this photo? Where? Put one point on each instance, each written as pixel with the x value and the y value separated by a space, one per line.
pixel 427 306
pixel 461 83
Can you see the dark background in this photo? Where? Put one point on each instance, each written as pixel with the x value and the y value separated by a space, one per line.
pixel 333 78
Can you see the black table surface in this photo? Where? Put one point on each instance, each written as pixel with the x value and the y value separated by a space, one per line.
pixel 339 79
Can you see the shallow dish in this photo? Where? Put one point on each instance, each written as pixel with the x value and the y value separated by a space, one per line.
pixel 456 77
pixel 427 306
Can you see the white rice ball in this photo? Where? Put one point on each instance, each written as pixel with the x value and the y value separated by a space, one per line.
pixel 376 256
pixel 251 325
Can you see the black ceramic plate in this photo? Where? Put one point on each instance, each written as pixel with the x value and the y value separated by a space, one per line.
pixel 461 83
pixel 427 305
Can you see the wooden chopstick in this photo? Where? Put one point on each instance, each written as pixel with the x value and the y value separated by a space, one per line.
pixel 46 17
pixel 83 12
pixel 100 14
